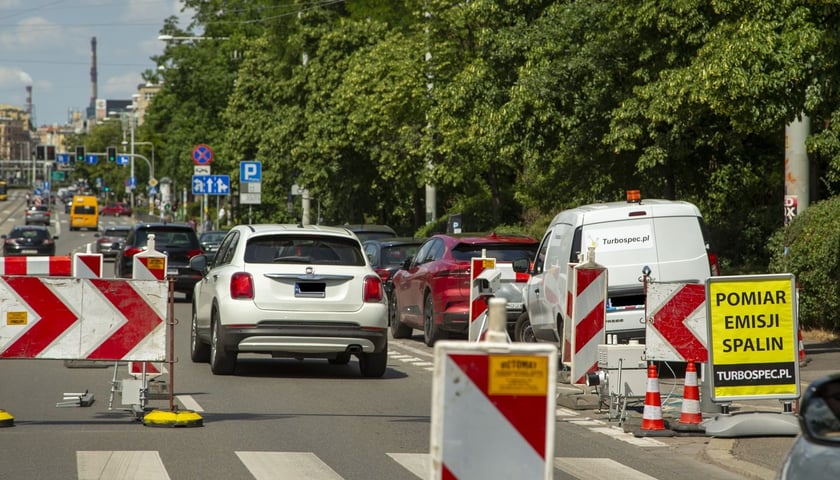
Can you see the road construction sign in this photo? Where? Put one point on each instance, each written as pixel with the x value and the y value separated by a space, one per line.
pixel 753 337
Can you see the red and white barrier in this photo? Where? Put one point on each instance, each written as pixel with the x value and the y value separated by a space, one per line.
pixel 87 265
pixel 589 314
pixel 493 408
pixel 478 300
pixel 48 266
pixel 149 264
pixel 86 319
pixel 676 329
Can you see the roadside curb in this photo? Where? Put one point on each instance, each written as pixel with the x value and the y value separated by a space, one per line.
pixel 719 452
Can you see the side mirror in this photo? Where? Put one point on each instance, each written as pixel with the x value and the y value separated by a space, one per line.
pixel 55 237
pixel 819 411
pixel 521 265
pixel 97 235
pixel 199 262
pixel 407 263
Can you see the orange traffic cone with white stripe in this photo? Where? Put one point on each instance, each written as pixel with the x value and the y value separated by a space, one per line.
pixel 652 423
pixel 803 358
pixel 690 416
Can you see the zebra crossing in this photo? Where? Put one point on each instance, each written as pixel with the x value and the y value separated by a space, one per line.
pixel 263 465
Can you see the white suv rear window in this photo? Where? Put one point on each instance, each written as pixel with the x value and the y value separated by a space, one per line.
pixel 304 249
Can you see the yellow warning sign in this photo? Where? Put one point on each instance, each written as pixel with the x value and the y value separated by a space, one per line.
pixel 155 263
pixel 16 318
pixel 488 263
pixel 518 375
pixel 753 343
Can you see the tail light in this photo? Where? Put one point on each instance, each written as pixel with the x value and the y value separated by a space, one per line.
pixel 130 252
pixel 242 286
pixel 383 273
pixel 714 267
pixel 48 241
pixel 193 252
pixel 522 277
pixel 372 290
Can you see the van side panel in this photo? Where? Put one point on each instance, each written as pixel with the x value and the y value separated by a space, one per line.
pixel 682 257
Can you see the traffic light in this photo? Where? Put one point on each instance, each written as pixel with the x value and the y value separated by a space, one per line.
pixel 112 154
pixel 80 154
pixel 40 152
pixel 51 152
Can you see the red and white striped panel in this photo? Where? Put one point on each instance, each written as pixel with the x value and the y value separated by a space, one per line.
pixel 48 266
pixel 589 312
pixel 89 319
pixel 566 348
pixel 493 414
pixel 478 303
pixel 87 265
pixel 153 369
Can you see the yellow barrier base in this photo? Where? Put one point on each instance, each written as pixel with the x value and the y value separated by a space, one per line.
pixel 6 419
pixel 183 418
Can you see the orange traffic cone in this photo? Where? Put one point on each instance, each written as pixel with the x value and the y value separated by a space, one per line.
pixel 652 423
pixel 803 359
pixel 690 416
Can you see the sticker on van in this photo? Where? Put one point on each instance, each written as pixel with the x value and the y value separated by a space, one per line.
pixel 617 239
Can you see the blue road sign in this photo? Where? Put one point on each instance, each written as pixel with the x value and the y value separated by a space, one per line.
pixel 123 159
pixel 91 159
pixel 202 155
pixel 132 182
pixel 250 172
pixel 211 185
pixel 63 158
pixel 47 185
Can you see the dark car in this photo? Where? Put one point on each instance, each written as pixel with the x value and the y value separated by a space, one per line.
pixel 29 240
pixel 210 241
pixel 116 209
pixel 37 214
pixel 387 255
pixel 432 290
pixel 110 241
pixel 178 241
pixel 366 231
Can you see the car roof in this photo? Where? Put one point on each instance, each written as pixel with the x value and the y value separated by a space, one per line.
pixel 118 228
pixel 30 227
pixel 368 227
pixel 390 242
pixel 295 228
pixel 489 238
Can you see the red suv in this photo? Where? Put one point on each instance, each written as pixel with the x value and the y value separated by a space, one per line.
pixel 432 290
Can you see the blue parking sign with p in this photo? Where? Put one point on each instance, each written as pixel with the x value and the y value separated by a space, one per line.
pixel 250 171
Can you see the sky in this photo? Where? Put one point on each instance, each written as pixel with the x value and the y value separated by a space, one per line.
pixel 47 44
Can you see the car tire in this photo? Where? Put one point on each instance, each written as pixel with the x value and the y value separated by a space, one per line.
pixel 342 358
pixel 199 351
pixel 431 332
pixel 398 329
pixel 523 331
pixel 374 364
pixel 222 362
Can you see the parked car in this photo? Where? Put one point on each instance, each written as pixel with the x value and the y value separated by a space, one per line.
pixel 29 240
pixel 37 214
pixel 387 255
pixel 432 290
pixel 290 291
pixel 665 236
pixel 110 241
pixel 116 209
pixel 816 451
pixel 366 231
pixel 179 242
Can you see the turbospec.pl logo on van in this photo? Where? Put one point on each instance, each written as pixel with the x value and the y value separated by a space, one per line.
pixel 626 238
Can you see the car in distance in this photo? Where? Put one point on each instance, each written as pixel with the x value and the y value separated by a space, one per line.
pixel 211 240
pixel 432 290
pixel 110 241
pixel 116 209
pixel 37 215
pixel 367 231
pixel 289 291
pixel 178 241
pixel 816 451
pixel 29 240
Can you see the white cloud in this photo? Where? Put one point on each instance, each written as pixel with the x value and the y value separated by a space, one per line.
pixel 122 86
pixel 13 77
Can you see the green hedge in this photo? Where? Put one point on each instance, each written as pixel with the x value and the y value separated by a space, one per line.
pixel 809 247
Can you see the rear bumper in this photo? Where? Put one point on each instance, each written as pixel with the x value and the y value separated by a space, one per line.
pixel 303 339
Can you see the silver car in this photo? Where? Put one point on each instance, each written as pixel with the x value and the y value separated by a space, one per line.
pixel 815 453
pixel 289 291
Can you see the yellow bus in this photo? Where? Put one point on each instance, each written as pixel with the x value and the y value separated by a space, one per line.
pixel 84 212
pixel 4 194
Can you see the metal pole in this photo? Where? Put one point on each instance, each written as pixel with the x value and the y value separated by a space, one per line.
pixel 171 313
pixel 131 178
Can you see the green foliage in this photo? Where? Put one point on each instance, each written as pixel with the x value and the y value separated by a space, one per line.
pixel 809 248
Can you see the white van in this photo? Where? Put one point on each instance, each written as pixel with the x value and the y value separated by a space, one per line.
pixel 666 236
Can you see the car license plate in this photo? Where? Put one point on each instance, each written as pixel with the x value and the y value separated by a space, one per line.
pixel 172 271
pixel 29 252
pixel 514 306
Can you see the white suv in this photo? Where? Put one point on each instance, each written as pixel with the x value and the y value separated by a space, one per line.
pixel 665 237
pixel 289 291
